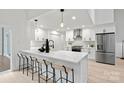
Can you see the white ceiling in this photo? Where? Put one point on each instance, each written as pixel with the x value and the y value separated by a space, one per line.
pixel 32 13
pixel 51 19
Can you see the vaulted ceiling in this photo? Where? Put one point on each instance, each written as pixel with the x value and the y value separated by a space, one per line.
pixel 51 18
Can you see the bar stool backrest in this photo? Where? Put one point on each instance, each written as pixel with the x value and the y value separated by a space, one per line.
pixel 18 54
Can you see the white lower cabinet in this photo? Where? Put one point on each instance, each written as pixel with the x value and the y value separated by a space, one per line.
pixel 91 52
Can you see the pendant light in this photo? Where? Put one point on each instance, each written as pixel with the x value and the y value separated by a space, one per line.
pixel 36 27
pixel 62 23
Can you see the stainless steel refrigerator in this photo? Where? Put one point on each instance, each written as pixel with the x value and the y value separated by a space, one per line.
pixel 105 52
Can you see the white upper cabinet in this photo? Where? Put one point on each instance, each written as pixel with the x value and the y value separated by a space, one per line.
pixel 69 35
pixel 88 35
pixel 92 34
pixel 103 16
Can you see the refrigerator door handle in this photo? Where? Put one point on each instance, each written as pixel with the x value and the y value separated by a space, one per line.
pixel 104 42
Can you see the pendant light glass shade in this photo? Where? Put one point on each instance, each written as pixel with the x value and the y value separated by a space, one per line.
pixel 62 23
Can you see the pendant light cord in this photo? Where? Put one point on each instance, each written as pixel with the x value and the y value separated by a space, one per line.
pixel 36 23
pixel 62 18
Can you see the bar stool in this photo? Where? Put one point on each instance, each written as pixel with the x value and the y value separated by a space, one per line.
pixel 33 65
pixel 28 63
pixel 45 70
pixel 63 70
pixel 24 63
pixel 19 56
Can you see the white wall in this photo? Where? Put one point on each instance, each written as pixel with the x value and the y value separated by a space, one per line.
pixel 41 34
pixel 103 16
pixel 108 28
pixel 119 23
pixel 58 41
pixel 20 34
pixel 0 41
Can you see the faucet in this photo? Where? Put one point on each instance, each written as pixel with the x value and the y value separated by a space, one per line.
pixel 52 45
pixel 47 45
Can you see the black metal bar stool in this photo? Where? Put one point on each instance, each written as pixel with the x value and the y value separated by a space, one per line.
pixel 24 63
pixel 28 63
pixel 45 70
pixel 19 56
pixel 66 73
pixel 32 65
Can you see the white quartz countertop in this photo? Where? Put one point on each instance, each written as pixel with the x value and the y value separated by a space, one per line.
pixel 69 56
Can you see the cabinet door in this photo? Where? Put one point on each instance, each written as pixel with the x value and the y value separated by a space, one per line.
pixel 86 35
pixel 69 35
pixel 92 53
pixel 92 35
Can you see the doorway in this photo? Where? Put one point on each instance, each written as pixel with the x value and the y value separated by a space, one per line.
pixel 5 48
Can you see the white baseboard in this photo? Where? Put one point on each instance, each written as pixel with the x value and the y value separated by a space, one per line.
pixel 7 56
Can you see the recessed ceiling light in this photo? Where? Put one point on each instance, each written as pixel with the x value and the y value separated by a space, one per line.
pixel 68 28
pixel 41 26
pixel 83 25
pixel 73 17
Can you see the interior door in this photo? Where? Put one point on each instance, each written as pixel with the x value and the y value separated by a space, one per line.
pixel 5 46
pixel 7 42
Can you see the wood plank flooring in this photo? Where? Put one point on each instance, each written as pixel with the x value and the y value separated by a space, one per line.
pixel 4 63
pixel 104 73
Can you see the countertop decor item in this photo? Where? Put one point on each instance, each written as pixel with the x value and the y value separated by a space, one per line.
pixel 91 45
pixel 42 49
pixel 47 46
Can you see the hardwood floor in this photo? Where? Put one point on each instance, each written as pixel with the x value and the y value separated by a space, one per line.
pixel 104 73
pixel 16 77
pixel 4 63
pixel 97 73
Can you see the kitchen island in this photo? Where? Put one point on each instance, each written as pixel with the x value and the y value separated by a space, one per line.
pixel 76 60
